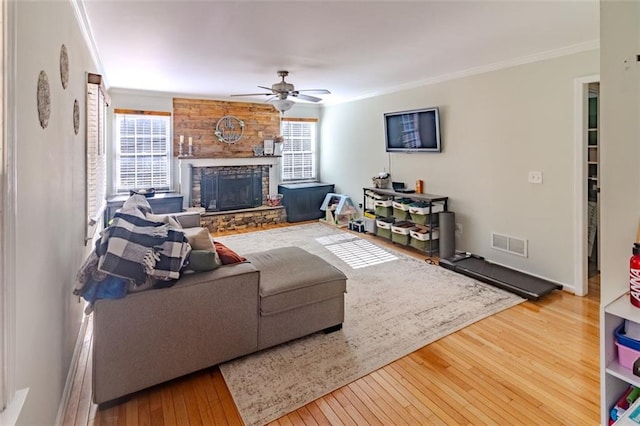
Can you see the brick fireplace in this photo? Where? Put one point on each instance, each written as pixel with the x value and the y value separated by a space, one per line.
pixel 229 187
pixel 233 191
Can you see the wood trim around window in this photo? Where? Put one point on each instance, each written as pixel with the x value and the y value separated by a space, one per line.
pixel 140 112
pixel 305 120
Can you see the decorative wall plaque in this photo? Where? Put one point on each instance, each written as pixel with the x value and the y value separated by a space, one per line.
pixel 229 129
pixel 44 100
pixel 64 66
pixel 76 116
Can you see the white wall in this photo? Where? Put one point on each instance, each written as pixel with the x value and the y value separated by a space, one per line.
pixel 50 224
pixel 619 142
pixel 496 127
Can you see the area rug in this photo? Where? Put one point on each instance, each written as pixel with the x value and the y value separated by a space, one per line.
pixel 395 304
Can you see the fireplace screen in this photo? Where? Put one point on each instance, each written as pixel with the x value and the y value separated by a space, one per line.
pixel 232 189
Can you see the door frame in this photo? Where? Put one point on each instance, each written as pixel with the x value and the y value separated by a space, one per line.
pixel 8 213
pixel 581 111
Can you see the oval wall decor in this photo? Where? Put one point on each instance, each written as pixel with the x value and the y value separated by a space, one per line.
pixel 76 116
pixel 44 100
pixel 64 66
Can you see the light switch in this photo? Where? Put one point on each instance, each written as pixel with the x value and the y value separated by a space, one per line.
pixel 535 177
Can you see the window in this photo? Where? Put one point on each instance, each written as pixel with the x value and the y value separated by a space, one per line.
pixel 299 149
pixel 143 150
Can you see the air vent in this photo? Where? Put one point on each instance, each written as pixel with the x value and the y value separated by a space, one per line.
pixel 513 245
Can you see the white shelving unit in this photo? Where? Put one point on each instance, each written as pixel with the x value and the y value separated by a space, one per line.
pixel 614 379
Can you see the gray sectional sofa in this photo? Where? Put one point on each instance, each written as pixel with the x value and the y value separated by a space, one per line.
pixel 206 318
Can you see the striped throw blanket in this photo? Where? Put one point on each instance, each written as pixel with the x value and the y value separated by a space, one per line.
pixel 136 248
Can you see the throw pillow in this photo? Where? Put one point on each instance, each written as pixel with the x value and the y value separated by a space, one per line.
pixel 203 260
pixel 199 239
pixel 228 256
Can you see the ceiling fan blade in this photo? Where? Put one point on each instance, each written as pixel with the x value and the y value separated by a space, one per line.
pixel 306 97
pixel 266 88
pixel 317 91
pixel 253 94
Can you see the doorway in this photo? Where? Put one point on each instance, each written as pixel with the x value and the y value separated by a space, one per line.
pixel 593 187
pixel 587 170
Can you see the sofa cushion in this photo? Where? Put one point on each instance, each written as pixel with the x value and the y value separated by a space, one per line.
pixel 291 277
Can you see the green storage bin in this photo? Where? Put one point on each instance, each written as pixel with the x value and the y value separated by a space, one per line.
pixel 423 245
pixel 400 238
pixel 423 219
pixel 384 211
pixel 400 214
pixel 384 233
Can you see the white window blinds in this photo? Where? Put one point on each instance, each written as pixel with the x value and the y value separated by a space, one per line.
pixel 299 149
pixel 97 102
pixel 143 150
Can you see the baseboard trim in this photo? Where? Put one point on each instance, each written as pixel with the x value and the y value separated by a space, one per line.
pixel 10 415
pixel 73 367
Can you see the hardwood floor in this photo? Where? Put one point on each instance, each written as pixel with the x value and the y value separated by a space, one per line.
pixel 535 363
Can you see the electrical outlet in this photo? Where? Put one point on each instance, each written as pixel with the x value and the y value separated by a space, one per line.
pixel 458 229
pixel 535 177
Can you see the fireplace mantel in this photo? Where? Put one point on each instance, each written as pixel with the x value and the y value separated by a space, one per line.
pixel 185 164
pixel 229 161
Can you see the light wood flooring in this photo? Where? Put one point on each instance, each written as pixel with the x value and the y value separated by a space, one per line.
pixel 535 363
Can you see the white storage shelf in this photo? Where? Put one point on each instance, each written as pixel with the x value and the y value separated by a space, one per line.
pixel 614 378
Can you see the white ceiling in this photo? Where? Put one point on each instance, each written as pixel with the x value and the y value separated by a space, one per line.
pixel 354 48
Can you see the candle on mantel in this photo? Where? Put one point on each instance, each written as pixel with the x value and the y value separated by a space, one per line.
pixel 181 139
pixel 190 141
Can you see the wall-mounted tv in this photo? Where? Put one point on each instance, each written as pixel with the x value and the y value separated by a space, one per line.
pixel 417 130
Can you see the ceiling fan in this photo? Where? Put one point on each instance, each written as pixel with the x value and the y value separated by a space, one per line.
pixel 282 90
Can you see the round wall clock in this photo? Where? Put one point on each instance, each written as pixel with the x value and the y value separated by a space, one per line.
pixel 229 129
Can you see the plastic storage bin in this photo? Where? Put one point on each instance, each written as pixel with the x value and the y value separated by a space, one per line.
pixel 627 356
pixel 400 232
pixel 622 338
pixel 383 208
pixel 400 205
pixel 423 245
pixel 628 348
pixel 369 225
pixel 383 228
pixel 400 214
pixel 422 234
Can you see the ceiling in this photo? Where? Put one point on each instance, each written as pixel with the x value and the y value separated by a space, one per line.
pixel 355 49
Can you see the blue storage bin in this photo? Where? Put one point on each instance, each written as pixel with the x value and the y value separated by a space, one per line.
pixel 626 341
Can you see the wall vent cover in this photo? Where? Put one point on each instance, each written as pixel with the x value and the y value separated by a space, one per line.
pixel 513 245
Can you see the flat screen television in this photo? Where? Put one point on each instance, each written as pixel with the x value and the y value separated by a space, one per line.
pixel 416 130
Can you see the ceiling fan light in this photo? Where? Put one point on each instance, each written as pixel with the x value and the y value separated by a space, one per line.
pixel 283 105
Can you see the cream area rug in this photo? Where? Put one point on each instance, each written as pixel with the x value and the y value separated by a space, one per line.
pixel 395 304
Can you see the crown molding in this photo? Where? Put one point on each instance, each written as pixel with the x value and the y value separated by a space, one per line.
pixel 523 60
pixel 85 28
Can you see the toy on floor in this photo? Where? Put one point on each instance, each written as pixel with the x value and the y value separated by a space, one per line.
pixel 339 210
